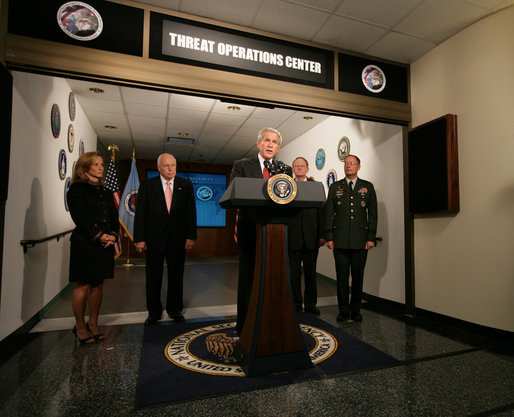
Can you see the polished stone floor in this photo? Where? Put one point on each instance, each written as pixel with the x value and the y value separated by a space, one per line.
pixel 443 371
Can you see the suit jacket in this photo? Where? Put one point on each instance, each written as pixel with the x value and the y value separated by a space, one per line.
pixel 248 168
pixel 351 218
pixel 306 228
pixel 154 225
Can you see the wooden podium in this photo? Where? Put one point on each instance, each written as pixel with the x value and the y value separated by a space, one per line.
pixel 271 340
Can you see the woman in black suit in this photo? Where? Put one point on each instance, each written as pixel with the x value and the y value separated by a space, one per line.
pixel 95 216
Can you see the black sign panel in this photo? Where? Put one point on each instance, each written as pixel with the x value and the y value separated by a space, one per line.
pixel 195 43
pixel 373 78
pixel 99 24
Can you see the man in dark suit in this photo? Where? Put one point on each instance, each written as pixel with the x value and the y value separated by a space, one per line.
pixel 165 226
pixel 304 240
pixel 268 143
pixel 350 230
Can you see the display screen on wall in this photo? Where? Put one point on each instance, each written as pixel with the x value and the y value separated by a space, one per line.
pixel 208 189
pixel 433 166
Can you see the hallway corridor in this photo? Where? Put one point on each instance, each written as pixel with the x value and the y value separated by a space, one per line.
pixel 443 371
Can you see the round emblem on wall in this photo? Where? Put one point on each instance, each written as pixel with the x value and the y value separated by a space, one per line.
pixel 66 188
pixel 61 164
pixel 204 193
pixel 282 188
pixel 343 148
pixel 320 158
pixel 373 78
pixel 71 106
pixel 211 349
pixel 71 138
pixel 331 177
pixel 55 120
pixel 79 20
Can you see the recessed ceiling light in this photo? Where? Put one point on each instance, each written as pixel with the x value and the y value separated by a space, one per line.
pixel 183 134
pixel 110 127
pixel 96 90
pixel 307 117
pixel 234 108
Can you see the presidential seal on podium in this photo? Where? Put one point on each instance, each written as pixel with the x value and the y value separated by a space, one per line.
pixel 282 188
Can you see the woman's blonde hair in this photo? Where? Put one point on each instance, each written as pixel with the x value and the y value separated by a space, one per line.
pixel 82 166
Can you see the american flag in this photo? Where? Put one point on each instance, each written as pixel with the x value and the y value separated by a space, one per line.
pixel 112 184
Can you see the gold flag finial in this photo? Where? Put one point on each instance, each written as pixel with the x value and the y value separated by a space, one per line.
pixel 113 148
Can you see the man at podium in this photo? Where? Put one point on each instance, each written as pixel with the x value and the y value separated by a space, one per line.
pixel 269 141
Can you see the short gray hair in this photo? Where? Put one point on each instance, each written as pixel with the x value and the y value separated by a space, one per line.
pixel 160 157
pixel 269 129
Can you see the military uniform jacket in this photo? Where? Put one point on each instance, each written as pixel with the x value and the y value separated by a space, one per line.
pixel 351 218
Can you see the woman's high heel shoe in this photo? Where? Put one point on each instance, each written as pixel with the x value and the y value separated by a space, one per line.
pixel 99 337
pixel 86 341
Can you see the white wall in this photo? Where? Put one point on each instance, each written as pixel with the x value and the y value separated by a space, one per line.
pixel 35 205
pixel 379 146
pixel 465 263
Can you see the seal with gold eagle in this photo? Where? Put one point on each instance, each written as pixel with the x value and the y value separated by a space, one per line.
pixel 282 188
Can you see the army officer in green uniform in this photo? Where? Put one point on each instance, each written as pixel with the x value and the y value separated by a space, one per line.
pixel 351 227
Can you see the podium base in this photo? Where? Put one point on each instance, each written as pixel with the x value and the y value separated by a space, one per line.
pixel 272 364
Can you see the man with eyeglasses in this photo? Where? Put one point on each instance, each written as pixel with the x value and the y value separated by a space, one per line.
pixel 304 240
pixel 350 227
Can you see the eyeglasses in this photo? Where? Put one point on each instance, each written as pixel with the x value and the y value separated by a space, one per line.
pixel 349 164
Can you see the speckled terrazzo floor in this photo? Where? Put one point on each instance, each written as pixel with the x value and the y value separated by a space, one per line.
pixel 443 371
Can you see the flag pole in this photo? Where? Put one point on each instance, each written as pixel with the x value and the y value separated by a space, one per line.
pixel 127 262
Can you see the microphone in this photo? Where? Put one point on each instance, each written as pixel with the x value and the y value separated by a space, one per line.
pixel 275 168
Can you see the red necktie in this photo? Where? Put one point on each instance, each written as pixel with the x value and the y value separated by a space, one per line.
pixel 265 174
pixel 168 194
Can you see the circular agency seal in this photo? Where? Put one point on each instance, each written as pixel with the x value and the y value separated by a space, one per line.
pixel 130 202
pixel 331 177
pixel 79 20
pixel 343 148
pixel 282 188
pixel 320 158
pixel 209 350
pixel 373 78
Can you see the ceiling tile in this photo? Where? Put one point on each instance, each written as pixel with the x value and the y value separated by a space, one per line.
pixel 327 5
pixel 139 109
pixel 223 107
pixel 191 102
pixel 289 19
pixel 196 116
pixel 436 20
pixel 232 11
pixel 348 34
pixel 400 48
pixel 145 121
pixel 383 13
pixel 140 95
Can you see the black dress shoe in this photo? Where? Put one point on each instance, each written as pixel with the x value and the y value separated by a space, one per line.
pixel 177 317
pixel 343 316
pixel 356 317
pixel 312 310
pixel 150 321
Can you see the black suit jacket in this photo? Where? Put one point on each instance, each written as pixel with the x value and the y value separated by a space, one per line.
pixel 305 229
pixel 154 225
pixel 248 168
